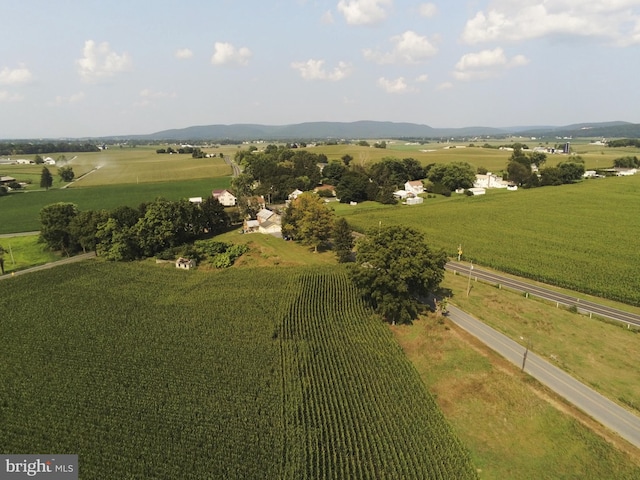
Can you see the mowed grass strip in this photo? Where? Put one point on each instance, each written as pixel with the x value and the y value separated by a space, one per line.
pixel 25 251
pixel 510 423
pixel 601 354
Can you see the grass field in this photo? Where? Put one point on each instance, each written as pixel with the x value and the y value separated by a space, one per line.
pixel 24 252
pixel 20 212
pixel 151 372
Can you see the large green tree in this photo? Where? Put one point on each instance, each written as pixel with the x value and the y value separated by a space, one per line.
pixel 66 173
pixel 46 179
pixel 308 220
pixel 453 175
pixel 55 221
pixel 396 269
pixel 342 240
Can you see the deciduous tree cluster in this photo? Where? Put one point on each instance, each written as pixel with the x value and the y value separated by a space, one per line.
pixel 128 233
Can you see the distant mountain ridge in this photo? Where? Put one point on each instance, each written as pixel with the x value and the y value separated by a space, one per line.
pixel 367 129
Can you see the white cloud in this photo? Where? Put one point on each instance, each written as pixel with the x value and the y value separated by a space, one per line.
pixel 227 54
pixel 428 10
pixel 183 53
pixel 327 18
pixel 485 64
pixel 74 98
pixel 99 61
pixel 612 20
pixel 10 97
pixel 147 96
pixel 314 70
pixel 409 48
pixel 15 76
pixel 364 12
pixel 399 85
pixel 422 78
pixel 445 86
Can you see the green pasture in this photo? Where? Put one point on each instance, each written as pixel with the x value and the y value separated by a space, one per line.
pixel 20 212
pixel 581 237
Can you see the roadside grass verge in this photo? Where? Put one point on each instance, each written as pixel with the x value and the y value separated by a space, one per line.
pixel 25 252
pixel 503 417
pixel 601 354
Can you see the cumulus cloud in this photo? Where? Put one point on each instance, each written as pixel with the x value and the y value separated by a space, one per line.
pixel 408 48
pixel 399 85
pixel 183 53
pixel 15 76
pixel 428 10
pixel 74 98
pixel 364 12
pixel 485 64
pixel 227 54
pixel 422 78
pixel 315 70
pixel 147 96
pixel 6 97
pixel 617 21
pixel 99 61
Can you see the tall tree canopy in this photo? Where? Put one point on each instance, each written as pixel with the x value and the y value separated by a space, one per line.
pixel 308 220
pixel 46 179
pixel 453 175
pixel 394 269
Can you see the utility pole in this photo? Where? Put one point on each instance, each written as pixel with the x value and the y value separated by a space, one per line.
pixel 469 282
pixel 526 352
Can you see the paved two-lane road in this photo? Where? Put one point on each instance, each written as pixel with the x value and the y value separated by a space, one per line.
pixel 583 306
pixel 608 413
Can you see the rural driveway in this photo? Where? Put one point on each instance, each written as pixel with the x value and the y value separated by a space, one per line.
pixel 608 413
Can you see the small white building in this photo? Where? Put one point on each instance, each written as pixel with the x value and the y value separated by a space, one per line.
pixel 49 161
pixel 478 191
pixel 185 263
pixel 196 200
pixel 414 201
pixel 401 194
pixel 225 197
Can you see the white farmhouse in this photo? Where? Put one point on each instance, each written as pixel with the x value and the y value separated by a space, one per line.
pixel 414 186
pixel 225 197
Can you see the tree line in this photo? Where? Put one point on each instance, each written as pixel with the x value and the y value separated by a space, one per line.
pixel 128 233
pixel 278 170
pixel 29 148
pixel 521 173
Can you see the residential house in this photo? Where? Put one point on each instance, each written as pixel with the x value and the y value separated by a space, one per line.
pixel 49 161
pixel 250 226
pixel 490 181
pixel 225 197
pixel 414 186
pixel 295 194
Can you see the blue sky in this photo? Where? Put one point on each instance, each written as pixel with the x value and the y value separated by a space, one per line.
pixel 74 68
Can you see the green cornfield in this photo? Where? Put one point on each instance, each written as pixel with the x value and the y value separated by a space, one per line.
pixel 151 372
